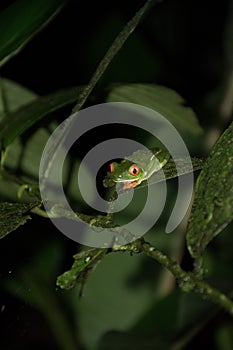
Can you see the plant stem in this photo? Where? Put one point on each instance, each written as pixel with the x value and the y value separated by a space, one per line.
pixel 187 281
pixel 104 63
pixel 111 53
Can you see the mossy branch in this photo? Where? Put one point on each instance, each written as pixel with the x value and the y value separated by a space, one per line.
pixel 188 281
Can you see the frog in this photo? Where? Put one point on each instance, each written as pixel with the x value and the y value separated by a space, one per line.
pixel 133 170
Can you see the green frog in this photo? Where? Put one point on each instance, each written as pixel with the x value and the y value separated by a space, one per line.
pixel 132 173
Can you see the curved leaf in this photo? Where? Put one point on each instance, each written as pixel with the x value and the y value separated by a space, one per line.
pixel 20 21
pixel 13 96
pixel 15 123
pixel 213 203
pixel 161 99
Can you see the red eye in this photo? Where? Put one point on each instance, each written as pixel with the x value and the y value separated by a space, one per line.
pixel 111 168
pixel 134 170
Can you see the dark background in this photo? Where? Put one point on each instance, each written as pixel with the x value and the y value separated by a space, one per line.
pixel 181 44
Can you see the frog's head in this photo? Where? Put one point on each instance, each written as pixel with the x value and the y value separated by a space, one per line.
pixel 139 167
pixel 128 173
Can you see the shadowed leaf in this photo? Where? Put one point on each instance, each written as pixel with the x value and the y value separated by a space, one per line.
pixel 161 99
pixel 84 263
pixel 20 21
pixel 213 203
pixel 15 123
pixel 12 215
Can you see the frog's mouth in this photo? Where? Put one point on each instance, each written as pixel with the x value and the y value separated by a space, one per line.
pixel 127 184
pixel 130 184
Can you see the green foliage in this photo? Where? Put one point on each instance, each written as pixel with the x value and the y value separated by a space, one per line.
pixel 161 99
pixel 84 263
pixel 213 205
pixel 20 22
pixel 12 215
pixel 127 301
pixel 15 123
pixel 14 96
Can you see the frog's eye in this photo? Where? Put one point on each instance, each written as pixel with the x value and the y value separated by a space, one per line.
pixel 111 168
pixel 134 170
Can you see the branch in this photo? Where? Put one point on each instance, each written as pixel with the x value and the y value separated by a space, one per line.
pixel 187 281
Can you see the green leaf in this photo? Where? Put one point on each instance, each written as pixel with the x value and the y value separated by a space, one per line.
pixel 13 96
pixel 161 99
pixel 111 299
pixel 15 123
pixel 184 165
pixel 170 171
pixel 84 263
pixel 132 340
pixel 12 215
pixel 213 205
pixel 20 21
pixel 162 316
pixel 24 155
pixel 154 330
